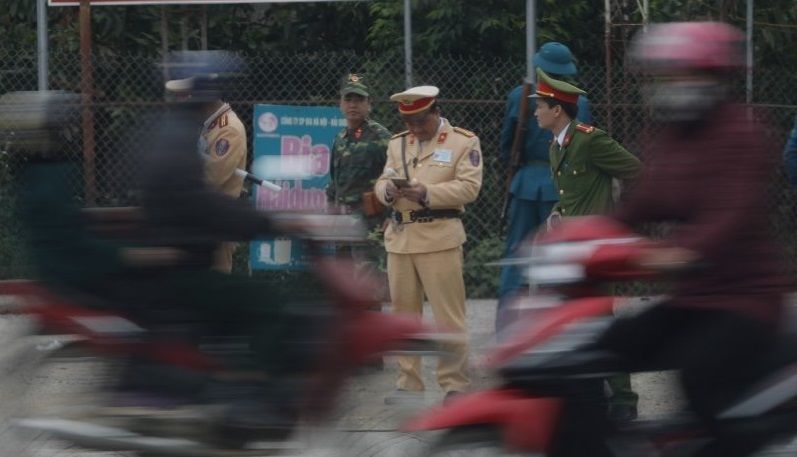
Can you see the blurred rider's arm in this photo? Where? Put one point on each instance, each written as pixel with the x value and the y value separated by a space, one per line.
pixel 728 199
pixel 175 193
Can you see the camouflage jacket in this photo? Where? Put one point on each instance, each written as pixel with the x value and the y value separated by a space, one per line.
pixel 358 157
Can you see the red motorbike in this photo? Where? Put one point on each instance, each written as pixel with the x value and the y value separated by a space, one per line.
pixel 566 270
pixel 69 331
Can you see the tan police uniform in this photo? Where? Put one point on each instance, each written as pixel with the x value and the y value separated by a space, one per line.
pixel 224 142
pixel 424 241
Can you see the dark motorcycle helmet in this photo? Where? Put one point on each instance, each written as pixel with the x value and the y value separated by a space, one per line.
pixel 201 76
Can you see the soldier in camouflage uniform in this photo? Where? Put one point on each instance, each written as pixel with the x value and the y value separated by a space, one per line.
pixel 358 157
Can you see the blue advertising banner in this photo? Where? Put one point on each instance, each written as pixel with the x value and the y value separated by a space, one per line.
pixel 285 135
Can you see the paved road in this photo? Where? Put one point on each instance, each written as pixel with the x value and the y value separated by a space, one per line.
pixel 368 423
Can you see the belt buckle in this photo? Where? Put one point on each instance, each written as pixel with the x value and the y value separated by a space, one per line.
pixel 403 217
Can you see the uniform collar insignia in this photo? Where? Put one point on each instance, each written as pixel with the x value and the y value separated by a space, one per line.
pixel 567 140
pixel 358 133
pixel 442 137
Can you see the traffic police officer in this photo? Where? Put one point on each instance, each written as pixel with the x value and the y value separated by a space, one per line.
pixel 433 169
pixel 222 145
pixel 584 160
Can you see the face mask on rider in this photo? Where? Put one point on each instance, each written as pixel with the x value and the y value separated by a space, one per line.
pixel 683 100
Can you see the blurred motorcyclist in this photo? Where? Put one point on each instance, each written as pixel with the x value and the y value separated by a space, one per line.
pixel 164 275
pixel 198 75
pixel 707 172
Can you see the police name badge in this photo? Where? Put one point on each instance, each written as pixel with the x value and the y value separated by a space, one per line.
pixel 442 155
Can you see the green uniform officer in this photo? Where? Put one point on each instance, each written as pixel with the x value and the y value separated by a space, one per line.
pixel 358 158
pixel 584 160
pixel 359 150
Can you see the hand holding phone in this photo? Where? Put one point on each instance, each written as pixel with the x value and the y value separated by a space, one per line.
pixel 400 183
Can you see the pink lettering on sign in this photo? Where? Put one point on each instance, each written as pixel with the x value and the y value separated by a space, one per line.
pixel 291 197
pixel 317 154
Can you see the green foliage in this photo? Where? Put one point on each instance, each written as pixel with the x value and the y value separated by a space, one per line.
pixel 494 28
pixel 579 25
pixel 13 260
pixel 482 281
pixel 487 28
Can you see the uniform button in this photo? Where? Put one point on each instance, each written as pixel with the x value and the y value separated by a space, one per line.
pixel 561 191
pixel 575 172
pixel 558 173
pixel 563 210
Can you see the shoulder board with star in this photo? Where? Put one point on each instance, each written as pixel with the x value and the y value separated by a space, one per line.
pixel 399 135
pixel 585 128
pixel 223 121
pixel 465 132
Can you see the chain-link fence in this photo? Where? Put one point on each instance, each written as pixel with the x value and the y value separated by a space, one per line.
pixel 128 94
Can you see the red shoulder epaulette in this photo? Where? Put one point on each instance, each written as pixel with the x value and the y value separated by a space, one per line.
pixel 585 128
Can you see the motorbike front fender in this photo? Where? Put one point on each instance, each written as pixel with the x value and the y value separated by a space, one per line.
pixel 527 423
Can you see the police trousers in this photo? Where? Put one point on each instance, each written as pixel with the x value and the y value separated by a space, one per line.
pixel 438 276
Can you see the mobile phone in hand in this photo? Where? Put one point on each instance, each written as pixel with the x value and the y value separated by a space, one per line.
pixel 400 182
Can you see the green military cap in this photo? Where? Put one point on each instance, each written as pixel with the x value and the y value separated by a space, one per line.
pixel 354 84
pixel 558 90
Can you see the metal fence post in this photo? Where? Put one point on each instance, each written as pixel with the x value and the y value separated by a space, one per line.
pixel 408 43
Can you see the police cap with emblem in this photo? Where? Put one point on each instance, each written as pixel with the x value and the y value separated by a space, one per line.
pixel 354 84
pixel 548 87
pixel 415 99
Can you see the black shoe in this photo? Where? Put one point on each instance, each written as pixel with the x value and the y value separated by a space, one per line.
pixel 622 414
pixel 405 397
pixel 450 395
pixel 375 366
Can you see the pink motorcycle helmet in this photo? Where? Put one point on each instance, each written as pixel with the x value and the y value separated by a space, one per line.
pixel 687 47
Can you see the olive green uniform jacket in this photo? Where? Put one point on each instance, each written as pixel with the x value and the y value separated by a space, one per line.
pixel 583 169
pixel 358 157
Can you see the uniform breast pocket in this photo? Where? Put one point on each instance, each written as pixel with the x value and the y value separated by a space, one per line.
pixel 437 172
pixel 575 169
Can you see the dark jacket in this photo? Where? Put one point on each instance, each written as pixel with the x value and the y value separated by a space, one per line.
pixel 790 156
pixel 182 210
pixel 711 180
